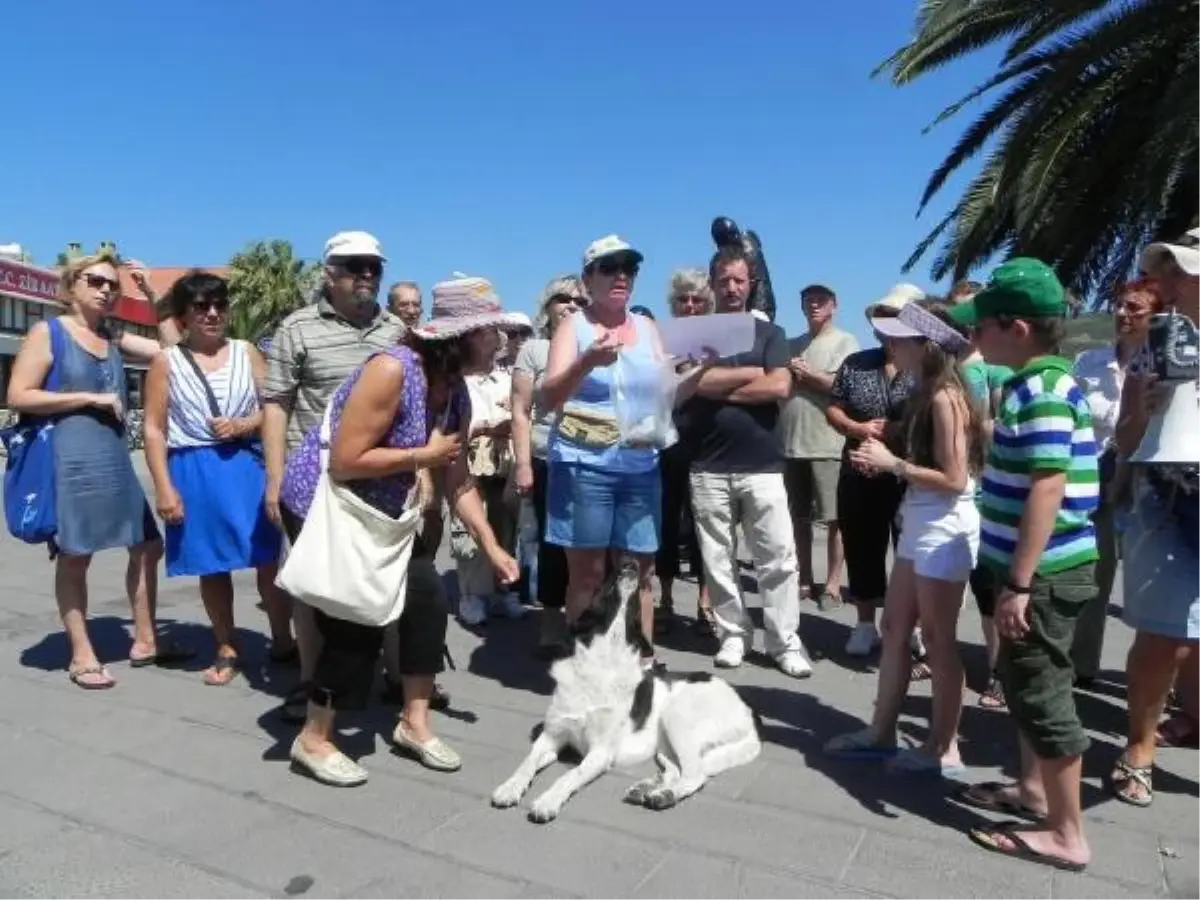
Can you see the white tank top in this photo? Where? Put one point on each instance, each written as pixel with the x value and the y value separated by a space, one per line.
pixel 188 411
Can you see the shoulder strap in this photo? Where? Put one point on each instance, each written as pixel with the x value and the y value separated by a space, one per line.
pixel 58 349
pixel 213 406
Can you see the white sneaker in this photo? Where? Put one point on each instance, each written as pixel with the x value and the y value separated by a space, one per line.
pixel 509 606
pixel 472 610
pixel 917 644
pixel 793 664
pixel 731 654
pixel 863 639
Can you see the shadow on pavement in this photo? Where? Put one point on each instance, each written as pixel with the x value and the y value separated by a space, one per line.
pixel 112 638
pixel 803 723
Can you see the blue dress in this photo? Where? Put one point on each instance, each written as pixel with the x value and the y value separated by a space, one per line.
pixel 222 484
pixel 100 502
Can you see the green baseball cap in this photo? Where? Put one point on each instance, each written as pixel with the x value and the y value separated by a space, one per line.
pixel 1022 288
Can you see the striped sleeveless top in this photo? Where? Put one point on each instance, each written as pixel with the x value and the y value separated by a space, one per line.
pixel 187 404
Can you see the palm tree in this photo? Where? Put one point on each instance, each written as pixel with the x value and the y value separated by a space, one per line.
pixel 266 282
pixel 1090 147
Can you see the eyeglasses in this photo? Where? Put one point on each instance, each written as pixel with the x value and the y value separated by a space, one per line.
pixel 689 300
pixel 610 267
pixel 358 266
pixel 219 305
pixel 96 282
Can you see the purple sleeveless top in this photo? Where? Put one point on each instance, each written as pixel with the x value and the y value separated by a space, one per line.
pixel 409 430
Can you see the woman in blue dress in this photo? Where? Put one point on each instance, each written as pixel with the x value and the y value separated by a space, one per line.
pixel 203 452
pixel 100 503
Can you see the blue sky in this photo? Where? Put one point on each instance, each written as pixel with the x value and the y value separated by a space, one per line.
pixel 492 138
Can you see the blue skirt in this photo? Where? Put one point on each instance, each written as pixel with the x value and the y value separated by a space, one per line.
pixel 225 526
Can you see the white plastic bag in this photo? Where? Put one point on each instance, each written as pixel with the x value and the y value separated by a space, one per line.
pixel 643 398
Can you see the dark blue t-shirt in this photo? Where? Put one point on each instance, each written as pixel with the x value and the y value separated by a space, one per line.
pixel 725 437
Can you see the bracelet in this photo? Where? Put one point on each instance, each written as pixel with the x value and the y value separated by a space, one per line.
pixel 1013 588
pixel 900 470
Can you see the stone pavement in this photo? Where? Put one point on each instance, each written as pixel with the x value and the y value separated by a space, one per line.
pixel 166 787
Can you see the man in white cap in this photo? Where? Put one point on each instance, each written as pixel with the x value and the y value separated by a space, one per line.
pixel 313 351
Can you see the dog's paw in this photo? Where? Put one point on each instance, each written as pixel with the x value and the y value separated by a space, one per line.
pixel 637 792
pixel 660 799
pixel 508 794
pixel 543 811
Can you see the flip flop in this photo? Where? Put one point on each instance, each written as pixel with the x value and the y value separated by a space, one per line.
pixel 223 670
pixel 169 653
pixel 988 797
pixel 858 745
pixel 1020 849
pixel 912 762
pixel 79 677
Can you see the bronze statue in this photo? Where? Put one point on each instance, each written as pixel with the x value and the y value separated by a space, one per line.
pixel 725 232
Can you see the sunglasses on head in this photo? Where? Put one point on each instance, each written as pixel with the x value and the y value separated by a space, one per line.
pixel 358 266
pixel 95 281
pixel 617 266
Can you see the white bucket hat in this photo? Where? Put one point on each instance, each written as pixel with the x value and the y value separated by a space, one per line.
pixel 896 299
pixel 1185 251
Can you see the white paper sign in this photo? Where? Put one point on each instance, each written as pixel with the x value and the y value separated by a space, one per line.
pixel 726 333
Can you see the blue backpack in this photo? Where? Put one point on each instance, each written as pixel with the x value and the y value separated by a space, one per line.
pixel 29 495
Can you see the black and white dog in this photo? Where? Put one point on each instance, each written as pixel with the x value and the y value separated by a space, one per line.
pixel 613 713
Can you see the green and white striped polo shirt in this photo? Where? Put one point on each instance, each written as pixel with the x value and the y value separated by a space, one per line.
pixel 1043 425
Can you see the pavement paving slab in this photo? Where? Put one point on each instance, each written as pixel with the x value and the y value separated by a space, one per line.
pixel 165 787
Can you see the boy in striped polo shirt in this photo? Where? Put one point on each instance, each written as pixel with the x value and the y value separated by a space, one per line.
pixel 1040 489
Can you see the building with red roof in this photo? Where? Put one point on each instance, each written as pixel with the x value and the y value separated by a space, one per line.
pixel 29 294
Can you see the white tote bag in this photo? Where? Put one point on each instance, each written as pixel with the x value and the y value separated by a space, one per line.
pixel 350 560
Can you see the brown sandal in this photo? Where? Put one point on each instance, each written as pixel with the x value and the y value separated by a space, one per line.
pixel 223 670
pixel 1125 780
pixel 91 678
pixel 993 695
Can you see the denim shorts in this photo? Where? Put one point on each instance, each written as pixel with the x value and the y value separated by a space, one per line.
pixel 593 509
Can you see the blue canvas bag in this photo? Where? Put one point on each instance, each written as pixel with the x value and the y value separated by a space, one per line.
pixel 29 495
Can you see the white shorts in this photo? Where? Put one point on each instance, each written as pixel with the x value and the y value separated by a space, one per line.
pixel 939 534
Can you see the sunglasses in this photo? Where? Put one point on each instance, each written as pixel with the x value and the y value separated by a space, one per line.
pixel 219 305
pixel 96 282
pixel 689 300
pixel 626 267
pixel 564 299
pixel 360 266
